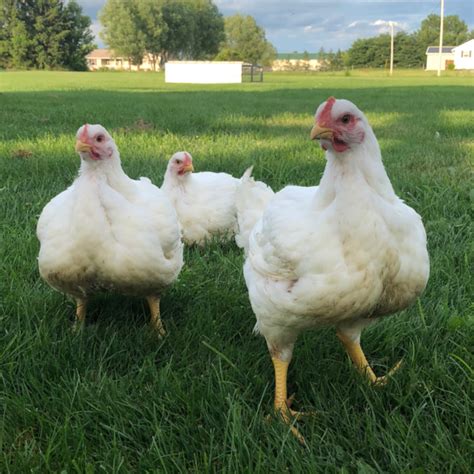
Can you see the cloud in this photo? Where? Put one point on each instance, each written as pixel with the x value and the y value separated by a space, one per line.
pixel 298 25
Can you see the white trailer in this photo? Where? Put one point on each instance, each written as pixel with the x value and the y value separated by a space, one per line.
pixel 204 72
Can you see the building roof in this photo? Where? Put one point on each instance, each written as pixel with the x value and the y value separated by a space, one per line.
pixel 283 56
pixel 435 49
pixel 467 45
pixel 100 53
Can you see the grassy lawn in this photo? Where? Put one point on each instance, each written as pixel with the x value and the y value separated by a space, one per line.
pixel 114 399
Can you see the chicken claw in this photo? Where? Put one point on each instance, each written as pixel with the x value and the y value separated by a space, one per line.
pixel 154 304
pixel 355 352
pixel 81 310
pixel 282 403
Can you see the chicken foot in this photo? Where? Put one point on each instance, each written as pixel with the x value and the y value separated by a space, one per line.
pixel 282 402
pixel 154 304
pixel 355 352
pixel 81 310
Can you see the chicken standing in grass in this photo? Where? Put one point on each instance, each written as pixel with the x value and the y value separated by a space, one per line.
pixel 204 202
pixel 342 255
pixel 108 232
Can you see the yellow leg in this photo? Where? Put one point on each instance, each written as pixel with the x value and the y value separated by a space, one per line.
pixel 154 304
pixel 281 400
pixel 81 309
pixel 355 352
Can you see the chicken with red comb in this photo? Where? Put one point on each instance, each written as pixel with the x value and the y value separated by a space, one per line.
pixel 107 232
pixel 342 255
pixel 204 201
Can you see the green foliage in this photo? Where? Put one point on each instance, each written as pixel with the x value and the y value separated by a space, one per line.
pixel 409 49
pixel 455 31
pixel 119 19
pixel 114 399
pixel 375 52
pixel 208 30
pixel 245 41
pixel 44 34
pixel 165 29
pixel 151 23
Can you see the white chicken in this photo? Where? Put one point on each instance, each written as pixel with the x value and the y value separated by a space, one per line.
pixel 204 202
pixel 342 255
pixel 109 232
pixel 251 199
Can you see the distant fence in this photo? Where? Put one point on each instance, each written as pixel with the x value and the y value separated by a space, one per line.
pixel 252 73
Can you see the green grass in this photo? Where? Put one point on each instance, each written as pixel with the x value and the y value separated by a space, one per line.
pixel 114 399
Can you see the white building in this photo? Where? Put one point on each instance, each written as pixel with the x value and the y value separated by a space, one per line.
pixel 432 57
pixel 204 72
pixel 297 62
pixel 464 55
pixel 105 59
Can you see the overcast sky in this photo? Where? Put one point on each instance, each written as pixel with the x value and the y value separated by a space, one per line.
pixel 298 25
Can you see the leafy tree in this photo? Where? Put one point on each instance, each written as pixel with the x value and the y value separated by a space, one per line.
pixel 177 40
pixel 49 34
pixel 120 20
pixel 455 31
pixel 153 26
pixel 245 41
pixel 19 44
pixel 43 34
pixel 208 30
pixel 337 61
pixel 375 52
pixel 79 41
pixel 162 28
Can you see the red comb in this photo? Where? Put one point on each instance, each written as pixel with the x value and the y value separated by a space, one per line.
pixel 325 115
pixel 84 135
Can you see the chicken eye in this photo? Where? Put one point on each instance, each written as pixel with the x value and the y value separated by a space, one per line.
pixel 346 119
pixel 178 162
pixel 100 138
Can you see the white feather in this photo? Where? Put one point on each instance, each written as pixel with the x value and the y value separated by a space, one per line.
pixel 251 199
pixel 337 254
pixel 109 232
pixel 204 202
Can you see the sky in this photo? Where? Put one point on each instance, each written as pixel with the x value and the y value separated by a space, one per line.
pixel 299 25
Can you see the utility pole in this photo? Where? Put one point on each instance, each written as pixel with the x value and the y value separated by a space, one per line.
pixel 441 25
pixel 391 47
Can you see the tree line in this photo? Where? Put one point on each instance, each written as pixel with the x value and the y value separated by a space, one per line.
pixel 54 34
pixel 181 29
pixel 44 34
pixel 410 49
pixel 51 34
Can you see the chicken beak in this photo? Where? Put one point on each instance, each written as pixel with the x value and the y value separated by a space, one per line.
pixel 188 167
pixel 81 146
pixel 318 132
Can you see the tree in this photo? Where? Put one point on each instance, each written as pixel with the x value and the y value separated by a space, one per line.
pixel 120 21
pixel 184 29
pixel 19 44
pixel 208 30
pixel 337 61
pixel 79 41
pixel 455 31
pixel 43 34
pixel 375 52
pixel 153 26
pixel 245 41
pixel 177 40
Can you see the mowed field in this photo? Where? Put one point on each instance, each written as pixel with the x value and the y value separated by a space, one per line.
pixel 113 398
